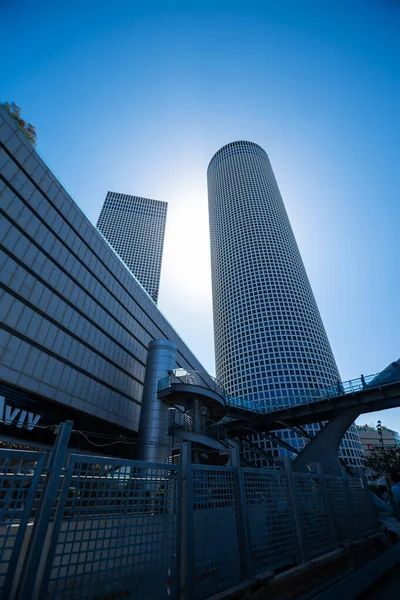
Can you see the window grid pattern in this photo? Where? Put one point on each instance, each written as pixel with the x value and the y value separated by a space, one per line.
pixel 135 229
pixel 75 323
pixel 270 343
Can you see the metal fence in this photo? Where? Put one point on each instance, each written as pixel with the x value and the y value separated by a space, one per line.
pixel 20 481
pixel 270 519
pixel 99 528
pixel 115 532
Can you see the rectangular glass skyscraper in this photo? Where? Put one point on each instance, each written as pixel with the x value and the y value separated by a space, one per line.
pixel 135 229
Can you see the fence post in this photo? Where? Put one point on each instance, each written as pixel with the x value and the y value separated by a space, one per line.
pixel 11 571
pixel 361 473
pixel 328 503
pixel 240 495
pixel 364 482
pixel 186 538
pixel 351 500
pixel 287 463
pixel 43 516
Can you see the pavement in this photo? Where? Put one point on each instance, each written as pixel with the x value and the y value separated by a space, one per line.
pixel 386 588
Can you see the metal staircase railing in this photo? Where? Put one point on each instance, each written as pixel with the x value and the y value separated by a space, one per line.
pixel 199 378
pixel 201 424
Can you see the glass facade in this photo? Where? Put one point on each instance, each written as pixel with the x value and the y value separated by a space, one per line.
pixel 135 228
pixel 270 343
pixel 75 324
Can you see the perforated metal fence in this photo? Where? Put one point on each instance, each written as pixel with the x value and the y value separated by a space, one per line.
pixel 217 555
pixel 269 519
pixel 104 528
pixel 313 512
pixel 116 530
pixel 20 478
pixel 363 506
pixel 346 525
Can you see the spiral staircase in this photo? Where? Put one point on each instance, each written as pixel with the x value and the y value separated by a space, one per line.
pixel 198 414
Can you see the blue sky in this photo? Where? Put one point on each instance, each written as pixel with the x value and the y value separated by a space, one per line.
pixel 137 96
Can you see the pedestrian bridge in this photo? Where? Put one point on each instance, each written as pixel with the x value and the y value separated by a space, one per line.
pixel 337 406
pixel 371 393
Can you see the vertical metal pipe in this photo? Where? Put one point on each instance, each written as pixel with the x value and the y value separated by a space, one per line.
pixel 243 532
pixel 154 442
pixel 186 546
pixel 29 585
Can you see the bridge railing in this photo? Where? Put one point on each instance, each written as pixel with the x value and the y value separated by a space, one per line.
pixel 339 388
pixel 334 390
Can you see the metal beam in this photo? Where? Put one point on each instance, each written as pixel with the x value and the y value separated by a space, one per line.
pixel 296 429
pixel 267 454
pixel 274 438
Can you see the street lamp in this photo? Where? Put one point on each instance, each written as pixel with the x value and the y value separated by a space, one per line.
pixel 379 429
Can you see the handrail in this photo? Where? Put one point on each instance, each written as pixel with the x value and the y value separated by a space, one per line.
pixel 200 378
pixel 339 388
pixel 200 424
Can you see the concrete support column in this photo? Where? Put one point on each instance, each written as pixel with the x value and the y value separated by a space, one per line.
pixel 323 448
pixel 154 442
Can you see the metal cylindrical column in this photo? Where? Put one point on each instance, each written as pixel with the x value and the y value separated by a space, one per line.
pixel 154 443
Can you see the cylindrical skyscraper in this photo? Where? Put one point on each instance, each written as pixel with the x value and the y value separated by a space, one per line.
pixel 270 343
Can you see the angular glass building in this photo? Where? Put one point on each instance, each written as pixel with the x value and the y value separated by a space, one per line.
pixel 135 229
pixel 270 343
pixel 75 324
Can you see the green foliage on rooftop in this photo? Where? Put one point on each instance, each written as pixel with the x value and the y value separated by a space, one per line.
pixel 27 128
pixel 370 428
